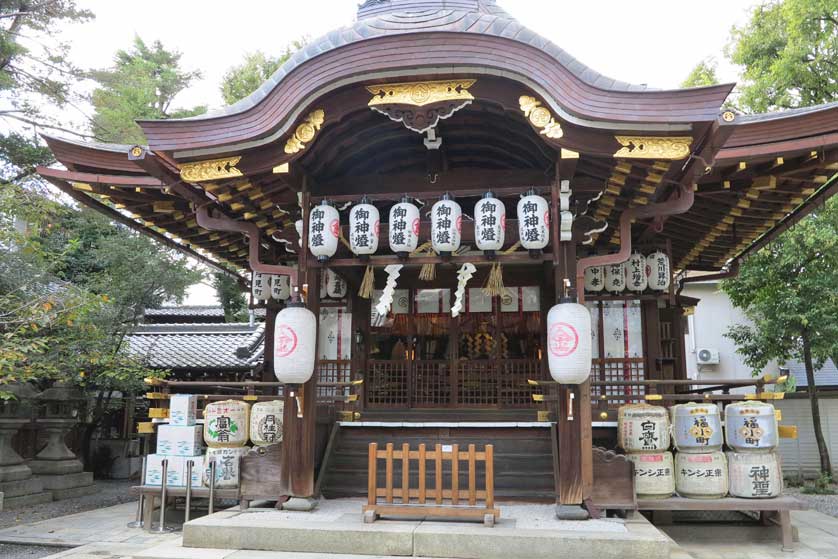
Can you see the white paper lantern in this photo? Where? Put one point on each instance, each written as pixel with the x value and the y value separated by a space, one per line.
pixel 260 286
pixel 364 226
pixel 295 337
pixel 404 227
pixel 533 222
pixel 569 343
pixel 636 273
pixel 332 285
pixel 323 231
pixel 657 271
pixel 615 277
pixel 489 223
pixel 280 288
pixel 446 225
pixel 594 279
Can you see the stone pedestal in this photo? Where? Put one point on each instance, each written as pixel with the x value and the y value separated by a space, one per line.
pixel 17 485
pixel 57 467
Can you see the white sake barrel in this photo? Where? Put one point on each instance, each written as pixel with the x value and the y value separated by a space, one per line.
pixel 701 476
pixel 755 475
pixel 642 428
pixel 697 427
pixel 227 465
pixel 653 475
pixel 226 424
pixel 266 422
pixel 751 426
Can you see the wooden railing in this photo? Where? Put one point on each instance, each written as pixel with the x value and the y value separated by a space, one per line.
pixel 437 501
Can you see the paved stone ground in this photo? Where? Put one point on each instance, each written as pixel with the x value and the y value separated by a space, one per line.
pixel 9 551
pixel 108 493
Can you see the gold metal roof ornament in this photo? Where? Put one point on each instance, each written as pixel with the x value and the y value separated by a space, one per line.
pixel 212 169
pixel 420 94
pixel 540 117
pixel 653 147
pixel 306 131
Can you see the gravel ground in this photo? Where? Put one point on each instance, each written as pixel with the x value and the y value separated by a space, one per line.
pixel 827 504
pixel 9 551
pixel 108 493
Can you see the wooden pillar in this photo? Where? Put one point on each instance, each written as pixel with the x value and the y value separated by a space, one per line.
pixel 268 354
pixel 298 445
pixel 574 409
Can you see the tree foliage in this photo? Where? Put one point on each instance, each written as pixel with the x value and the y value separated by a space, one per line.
pixel 34 73
pixel 704 73
pixel 242 80
pixel 142 84
pixel 231 297
pixel 789 52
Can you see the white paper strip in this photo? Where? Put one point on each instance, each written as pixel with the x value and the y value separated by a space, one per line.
pixel 393 271
pixel 463 275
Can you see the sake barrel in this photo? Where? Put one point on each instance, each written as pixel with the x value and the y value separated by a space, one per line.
pixel 697 427
pixel 227 465
pixel 226 423
pixel 751 426
pixel 701 476
pixel 642 428
pixel 755 475
pixel 266 422
pixel 653 475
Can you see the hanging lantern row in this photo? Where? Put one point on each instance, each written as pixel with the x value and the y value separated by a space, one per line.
pixel 446 226
pixel 636 274
pixel 264 286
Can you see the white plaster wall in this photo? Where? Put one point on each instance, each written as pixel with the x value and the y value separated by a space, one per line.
pixel 713 316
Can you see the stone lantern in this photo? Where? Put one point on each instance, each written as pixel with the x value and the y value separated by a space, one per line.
pixel 58 467
pixel 16 482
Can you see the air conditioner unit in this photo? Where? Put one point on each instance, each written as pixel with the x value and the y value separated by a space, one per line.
pixel 706 356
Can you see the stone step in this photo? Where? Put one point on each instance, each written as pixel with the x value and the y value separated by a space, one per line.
pixel 21 487
pixel 73 492
pixel 67 481
pixel 55 467
pixel 27 500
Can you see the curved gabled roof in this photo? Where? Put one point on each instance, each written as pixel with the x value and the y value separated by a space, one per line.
pixel 439 37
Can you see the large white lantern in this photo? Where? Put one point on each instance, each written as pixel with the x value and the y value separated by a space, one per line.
pixel 636 273
pixel 489 224
pixel 260 286
pixel 533 222
pixel 295 338
pixel 569 342
pixel 404 227
pixel 657 271
pixel 323 231
pixel 446 225
pixel 594 279
pixel 615 277
pixel 364 226
pixel 280 287
pixel 332 285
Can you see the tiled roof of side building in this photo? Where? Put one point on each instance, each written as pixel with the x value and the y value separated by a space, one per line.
pixel 204 347
pixel 195 310
pixel 825 376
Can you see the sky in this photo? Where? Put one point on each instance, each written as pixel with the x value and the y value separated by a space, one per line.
pixel 655 42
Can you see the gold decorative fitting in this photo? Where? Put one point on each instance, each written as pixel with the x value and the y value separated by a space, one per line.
pixel 306 131
pixel 281 169
pixel 420 94
pixel 212 169
pixel 653 147
pixel 728 116
pixel 540 117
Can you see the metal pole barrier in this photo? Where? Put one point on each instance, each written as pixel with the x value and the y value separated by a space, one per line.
pixel 162 529
pixel 138 523
pixel 189 464
pixel 212 486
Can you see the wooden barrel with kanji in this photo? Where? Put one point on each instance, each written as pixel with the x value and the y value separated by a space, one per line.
pixel 701 476
pixel 755 475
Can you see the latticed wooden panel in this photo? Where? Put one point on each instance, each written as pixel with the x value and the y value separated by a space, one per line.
pixel 515 391
pixel 387 385
pixel 615 369
pixel 477 383
pixel 431 383
pixel 330 371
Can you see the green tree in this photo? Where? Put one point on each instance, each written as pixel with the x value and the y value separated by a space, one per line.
pixel 789 290
pixel 231 297
pixel 704 73
pixel 142 84
pixel 789 52
pixel 242 80
pixel 34 73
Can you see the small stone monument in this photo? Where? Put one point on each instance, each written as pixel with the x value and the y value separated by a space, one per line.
pixel 56 465
pixel 17 486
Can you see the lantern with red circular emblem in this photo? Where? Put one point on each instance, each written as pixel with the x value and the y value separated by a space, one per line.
pixel 295 337
pixel 569 342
